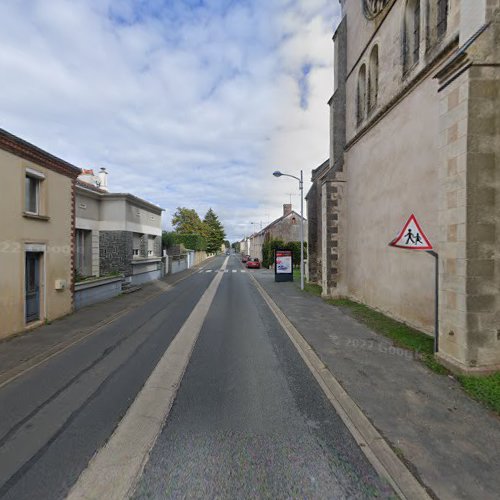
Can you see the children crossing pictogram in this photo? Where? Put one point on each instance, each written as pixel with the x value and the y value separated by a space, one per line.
pixel 412 237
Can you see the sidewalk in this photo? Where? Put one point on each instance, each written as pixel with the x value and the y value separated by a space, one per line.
pixel 26 350
pixel 449 441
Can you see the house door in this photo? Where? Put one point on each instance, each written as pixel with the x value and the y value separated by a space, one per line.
pixel 32 286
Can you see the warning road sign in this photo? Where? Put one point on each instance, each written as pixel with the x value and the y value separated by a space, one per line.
pixel 412 237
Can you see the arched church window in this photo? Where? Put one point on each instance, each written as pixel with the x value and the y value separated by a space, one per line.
pixel 373 78
pixel 442 18
pixel 361 98
pixel 411 34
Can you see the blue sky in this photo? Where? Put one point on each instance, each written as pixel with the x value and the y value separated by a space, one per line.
pixel 186 103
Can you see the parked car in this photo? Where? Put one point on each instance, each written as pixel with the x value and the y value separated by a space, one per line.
pixel 253 263
pixel 245 258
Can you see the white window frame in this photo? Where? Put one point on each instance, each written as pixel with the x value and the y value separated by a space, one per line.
pixel 151 246
pixel 27 200
pixel 136 252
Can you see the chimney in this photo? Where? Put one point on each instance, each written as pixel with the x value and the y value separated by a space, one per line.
pixel 287 209
pixel 103 179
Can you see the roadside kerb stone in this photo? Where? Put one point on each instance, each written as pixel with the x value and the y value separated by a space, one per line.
pixel 373 445
pixel 448 440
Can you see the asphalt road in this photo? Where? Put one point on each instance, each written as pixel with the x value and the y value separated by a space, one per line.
pixel 249 419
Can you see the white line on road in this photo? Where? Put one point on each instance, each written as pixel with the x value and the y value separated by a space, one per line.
pixel 208 271
pixel 114 470
pixel 235 271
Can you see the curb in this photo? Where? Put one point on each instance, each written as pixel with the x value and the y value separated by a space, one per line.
pixel 374 446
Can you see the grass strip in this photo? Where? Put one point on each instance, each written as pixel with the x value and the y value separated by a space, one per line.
pixel 402 335
pixel 485 388
pixel 311 288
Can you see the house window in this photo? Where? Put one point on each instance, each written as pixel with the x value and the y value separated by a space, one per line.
pixel 411 35
pixel 361 94
pixel 136 248
pixel 373 79
pixel 83 256
pixel 151 246
pixel 442 18
pixel 32 194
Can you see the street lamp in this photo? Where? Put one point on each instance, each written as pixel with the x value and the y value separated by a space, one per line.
pixel 277 173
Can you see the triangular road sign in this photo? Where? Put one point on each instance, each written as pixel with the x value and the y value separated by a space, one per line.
pixel 412 237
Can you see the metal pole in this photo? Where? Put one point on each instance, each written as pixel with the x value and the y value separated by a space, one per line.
pixel 301 185
pixel 436 301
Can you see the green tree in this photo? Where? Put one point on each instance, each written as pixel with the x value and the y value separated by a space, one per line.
pixel 191 241
pixel 187 221
pixel 168 238
pixel 294 246
pixel 268 251
pixel 214 232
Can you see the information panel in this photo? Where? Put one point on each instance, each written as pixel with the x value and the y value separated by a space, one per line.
pixel 283 265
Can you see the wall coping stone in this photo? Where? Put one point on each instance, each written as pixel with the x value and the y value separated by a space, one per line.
pixel 84 285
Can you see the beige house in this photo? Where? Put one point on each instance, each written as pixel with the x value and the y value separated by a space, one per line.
pixel 285 228
pixel 415 118
pixel 36 237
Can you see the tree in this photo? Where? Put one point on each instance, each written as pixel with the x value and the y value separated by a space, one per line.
pixel 294 246
pixel 268 251
pixel 214 232
pixel 187 221
pixel 168 238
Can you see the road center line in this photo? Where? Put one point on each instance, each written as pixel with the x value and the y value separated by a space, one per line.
pixel 113 471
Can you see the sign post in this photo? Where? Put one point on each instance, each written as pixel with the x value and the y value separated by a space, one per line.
pixel 413 238
pixel 283 265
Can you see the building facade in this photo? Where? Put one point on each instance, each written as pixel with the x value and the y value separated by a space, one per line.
pixel 36 233
pixel 285 228
pixel 415 130
pixel 116 233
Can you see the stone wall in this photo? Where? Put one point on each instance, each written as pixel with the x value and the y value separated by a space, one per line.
pixel 313 235
pixel 469 213
pixel 115 252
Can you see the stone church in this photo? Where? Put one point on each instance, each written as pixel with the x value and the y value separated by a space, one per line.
pixel 415 129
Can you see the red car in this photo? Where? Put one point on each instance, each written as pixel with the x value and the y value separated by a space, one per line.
pixel 245 258
pixel 253 263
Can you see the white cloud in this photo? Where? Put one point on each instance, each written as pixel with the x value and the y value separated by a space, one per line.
pixel 186 103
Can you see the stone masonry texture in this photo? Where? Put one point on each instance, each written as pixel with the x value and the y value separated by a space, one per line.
pixel 116 252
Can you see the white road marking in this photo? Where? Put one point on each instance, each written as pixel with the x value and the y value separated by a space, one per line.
pixel 208 271
pixel 114 470
pixel 235 271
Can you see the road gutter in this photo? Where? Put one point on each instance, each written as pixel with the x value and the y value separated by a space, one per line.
pixel 377 450
pixel 114 470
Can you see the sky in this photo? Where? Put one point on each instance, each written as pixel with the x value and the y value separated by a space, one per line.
pixel 186 103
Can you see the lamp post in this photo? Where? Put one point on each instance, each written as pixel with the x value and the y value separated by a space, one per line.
pixel 277 173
